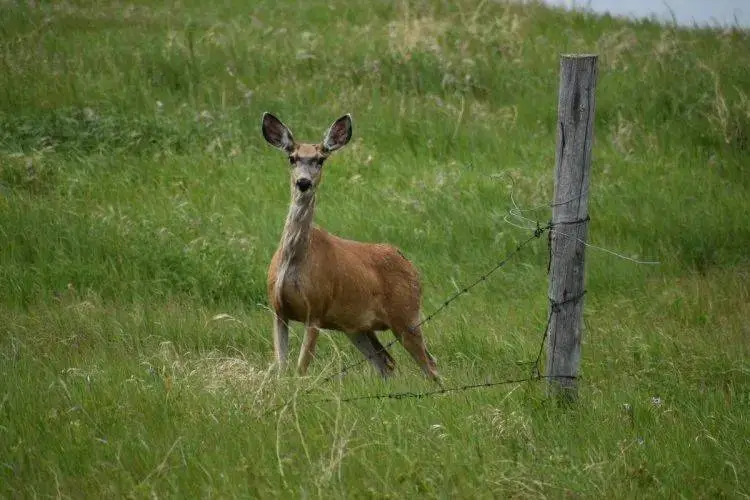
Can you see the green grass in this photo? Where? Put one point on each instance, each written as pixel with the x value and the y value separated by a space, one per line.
pixel 140 206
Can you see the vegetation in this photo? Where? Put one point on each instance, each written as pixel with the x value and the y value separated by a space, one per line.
pixel 140 206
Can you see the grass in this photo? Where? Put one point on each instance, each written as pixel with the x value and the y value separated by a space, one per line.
pixel 139 208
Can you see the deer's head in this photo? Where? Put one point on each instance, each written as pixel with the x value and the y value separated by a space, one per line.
pixel 306 159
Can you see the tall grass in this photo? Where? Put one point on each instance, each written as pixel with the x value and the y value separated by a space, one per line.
pixel 139 208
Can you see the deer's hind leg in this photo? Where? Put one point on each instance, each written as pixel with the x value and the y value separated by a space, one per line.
pixel 368 344
pixel 307 351
pixel 413 341
pixel 281 340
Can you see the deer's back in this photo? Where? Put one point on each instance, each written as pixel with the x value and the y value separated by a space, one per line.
pixel 348 285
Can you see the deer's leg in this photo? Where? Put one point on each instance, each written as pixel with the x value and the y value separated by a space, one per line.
pixel 308 349
pixel 369 345
pixel 413 341
pixel 281 340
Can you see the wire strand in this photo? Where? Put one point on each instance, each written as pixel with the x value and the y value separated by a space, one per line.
pixel 536 370
pixel 607 250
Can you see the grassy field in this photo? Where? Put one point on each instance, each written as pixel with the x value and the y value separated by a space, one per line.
pixel 140 206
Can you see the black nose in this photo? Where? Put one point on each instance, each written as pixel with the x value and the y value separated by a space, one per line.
pixel 304 184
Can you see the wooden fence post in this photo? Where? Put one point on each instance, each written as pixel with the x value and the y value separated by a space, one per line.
pixel 575 134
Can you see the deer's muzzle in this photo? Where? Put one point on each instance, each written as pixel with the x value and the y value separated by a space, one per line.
pixel 304 184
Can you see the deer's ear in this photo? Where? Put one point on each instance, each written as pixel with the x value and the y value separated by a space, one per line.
pixel 339 134
pixel 277 134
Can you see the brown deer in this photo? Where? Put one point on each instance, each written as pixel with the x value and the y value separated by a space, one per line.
pixel 328 282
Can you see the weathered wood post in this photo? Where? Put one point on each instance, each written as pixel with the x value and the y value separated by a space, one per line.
pixel 575 134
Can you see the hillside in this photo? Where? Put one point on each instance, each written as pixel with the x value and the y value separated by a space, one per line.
pixel 140 206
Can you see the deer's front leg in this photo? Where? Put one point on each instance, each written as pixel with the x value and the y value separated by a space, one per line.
pixel 281 341
pixel 368 344
pixel 308 349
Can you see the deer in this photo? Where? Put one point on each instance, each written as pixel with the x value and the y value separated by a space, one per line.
pixel 331 283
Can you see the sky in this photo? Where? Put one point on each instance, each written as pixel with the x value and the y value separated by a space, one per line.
pixel 685 12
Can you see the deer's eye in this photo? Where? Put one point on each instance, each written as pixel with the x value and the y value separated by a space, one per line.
pixel 291 160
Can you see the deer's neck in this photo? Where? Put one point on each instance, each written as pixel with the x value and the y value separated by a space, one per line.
pixel 295 242
pixel 295 239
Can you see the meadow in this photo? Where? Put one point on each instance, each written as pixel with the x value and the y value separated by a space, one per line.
pixel 140 207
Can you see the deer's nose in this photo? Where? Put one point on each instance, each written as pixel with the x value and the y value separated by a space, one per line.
pixel 304 184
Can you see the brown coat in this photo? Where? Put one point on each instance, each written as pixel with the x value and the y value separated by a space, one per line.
pixel 348 286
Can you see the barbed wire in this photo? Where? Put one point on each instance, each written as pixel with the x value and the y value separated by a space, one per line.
pixel 516 212
pixel 554 307
pixel 534 375
pixel 538 231
pixel 435 392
